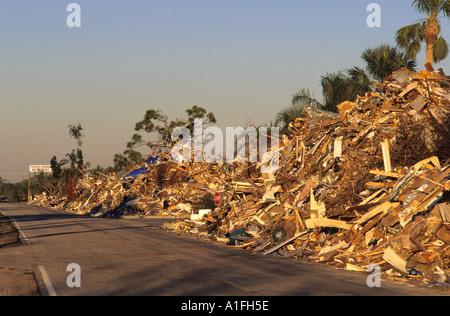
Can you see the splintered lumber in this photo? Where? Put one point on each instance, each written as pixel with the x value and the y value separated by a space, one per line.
pixel 409 88
pixel 387 174
pixel 372 197
pixel 433 160
pixel 444 210
pixel 426 203
pixel 395 260
pixel 330 249
pixel 386 156
pixel 299 219
pixel 385 207
pixel 424 200
pixel 284 243
pixel 401 184
pixel 337 148
pixel 314 223
pixel 352 267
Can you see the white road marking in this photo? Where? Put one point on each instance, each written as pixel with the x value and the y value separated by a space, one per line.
pixel 51 291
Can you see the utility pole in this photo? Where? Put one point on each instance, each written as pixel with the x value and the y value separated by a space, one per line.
pixel 29 186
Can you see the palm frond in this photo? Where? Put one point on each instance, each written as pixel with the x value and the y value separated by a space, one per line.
pixel 336 88
pixel 360 82
pixel 304 98
pixel 411 34
pixel 446 8
pixel 385 59
pixel 440 50
pixel 430 7
pixel 300 100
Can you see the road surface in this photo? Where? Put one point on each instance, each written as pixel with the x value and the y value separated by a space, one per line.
pixel 130 257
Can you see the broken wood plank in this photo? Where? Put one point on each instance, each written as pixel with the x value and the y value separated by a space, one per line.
pixel 418 103
pixel 444 210
pixel 385 207
pixel 409 88
pixel 370 224
pixel 329 249
pixel 434 160
pixel 313 223
pixel 373 196
pixel 395 260
pixel 352 267
pixel 386 156
pixel 337 148
pixel 424 200
pixel 284 243
pixel 419 246
pixel 387 174
pixel 299 219
pixel 426 203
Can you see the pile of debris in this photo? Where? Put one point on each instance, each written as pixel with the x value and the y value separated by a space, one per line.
pixel 355 188
pixel 46 200
pixel 368 185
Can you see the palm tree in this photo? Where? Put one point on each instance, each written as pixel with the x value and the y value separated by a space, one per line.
pixel 426 30
pixel 347 85
pixel 57 167
pixel 343 86
pixel 76 158
pixel 359 82
pixel 300 100
pixel 383 60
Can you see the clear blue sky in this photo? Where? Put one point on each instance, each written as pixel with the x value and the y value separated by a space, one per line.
pixel 241 59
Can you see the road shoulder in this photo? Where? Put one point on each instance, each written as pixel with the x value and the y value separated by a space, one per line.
pixel 14 282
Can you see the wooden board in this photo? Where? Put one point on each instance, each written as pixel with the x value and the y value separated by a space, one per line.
pixel 377 210
pixel 313 223
pixel 284 243
pixel 395 260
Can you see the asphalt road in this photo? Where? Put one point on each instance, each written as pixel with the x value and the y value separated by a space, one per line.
pixel 129 257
